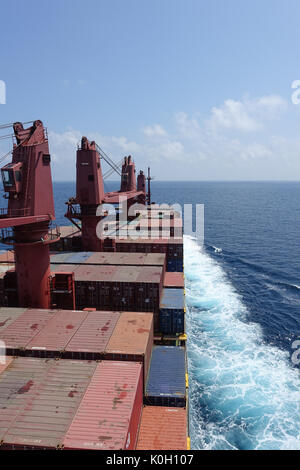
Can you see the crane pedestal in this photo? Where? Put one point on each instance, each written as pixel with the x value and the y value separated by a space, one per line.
pixel 90 240
pixel 31 244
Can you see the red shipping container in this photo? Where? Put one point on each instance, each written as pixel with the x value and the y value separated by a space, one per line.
pixel 94 272
pixel 132 339
pixel 163 428
pixel 92 337
pixel 108 417
pixel 57 333
pixel 8 315
pixel 173 279
pixel 38 400
pixel 20 332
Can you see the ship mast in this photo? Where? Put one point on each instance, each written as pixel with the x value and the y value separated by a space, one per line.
pixel 149 178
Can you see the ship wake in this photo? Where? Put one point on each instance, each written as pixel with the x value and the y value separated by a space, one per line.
pixel 244 393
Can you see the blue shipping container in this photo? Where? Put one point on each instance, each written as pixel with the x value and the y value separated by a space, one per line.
pixel 60 258
pixel 171 322
pixel 172 298
pixel 175 265
pixel 166 378
pixel 79 258
pixel 171 312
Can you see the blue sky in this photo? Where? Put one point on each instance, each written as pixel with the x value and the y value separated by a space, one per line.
pixel 197 89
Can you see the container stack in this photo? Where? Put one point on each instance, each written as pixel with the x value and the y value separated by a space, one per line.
pixel 166 384
pixel 110 374
pixel 66 404
pixel 172 311
pixel 163 428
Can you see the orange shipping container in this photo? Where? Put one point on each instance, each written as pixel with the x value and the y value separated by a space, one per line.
pixel 132 339
pixel 174 279
pixel 163 429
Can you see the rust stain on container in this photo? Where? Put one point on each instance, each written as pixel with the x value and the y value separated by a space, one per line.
pixel 12 380
pixel 94 273
pixel 93 335
pixel 38 400
pixel 109 414
pixel 113 273
pixel 20 332
pixel 163 429
pixel 56 334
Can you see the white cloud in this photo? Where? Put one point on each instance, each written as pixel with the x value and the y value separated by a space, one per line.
pixel 122 143
pixel 63 145
pixel 172 150
pixel 255 150
pixel 236 141
pixel 233 115
pixel 186 126
pixel 248 115
pixel 155 130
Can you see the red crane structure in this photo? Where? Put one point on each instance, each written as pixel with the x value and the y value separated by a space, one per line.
pixel 27 184
pixel 90 191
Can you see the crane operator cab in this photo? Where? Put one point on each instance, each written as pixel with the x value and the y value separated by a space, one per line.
pixel 12 178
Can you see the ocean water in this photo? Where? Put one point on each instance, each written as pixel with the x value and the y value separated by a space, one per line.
pixel 243 315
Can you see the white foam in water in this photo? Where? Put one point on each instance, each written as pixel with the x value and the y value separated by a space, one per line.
pixel 244 393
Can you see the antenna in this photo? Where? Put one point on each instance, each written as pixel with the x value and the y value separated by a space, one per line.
pixel 149 179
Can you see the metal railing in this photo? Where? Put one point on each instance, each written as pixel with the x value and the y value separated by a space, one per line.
pixel 7 236
pixel 5 212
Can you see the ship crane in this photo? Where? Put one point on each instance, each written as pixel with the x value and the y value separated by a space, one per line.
pixel 25 223
pixel 90 191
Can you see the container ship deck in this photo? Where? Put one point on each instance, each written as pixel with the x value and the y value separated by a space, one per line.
pixel 92 314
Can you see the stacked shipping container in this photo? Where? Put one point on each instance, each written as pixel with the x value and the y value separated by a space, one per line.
pixel 108 287
pixel 166 384
pixel 109 415
pixel 38 399
pixel 91 339
pixel 163 428
pixel 115 259
pixel 132 339
pixel 49 404
pixel 174 280
pixel 75 402
pixel 172 311
pixel 87 335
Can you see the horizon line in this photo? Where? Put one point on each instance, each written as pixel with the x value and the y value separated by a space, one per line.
pixel 200 181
